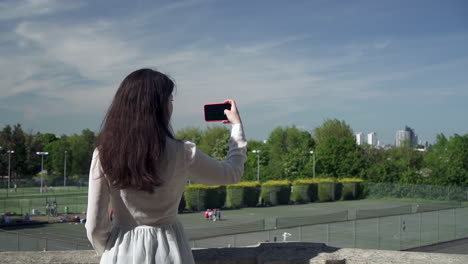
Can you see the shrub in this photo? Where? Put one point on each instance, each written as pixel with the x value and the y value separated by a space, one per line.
pixel 304 191
pixel 351 188
pixel 326 189
pixel 242 194
pixel 200 197
pixel 275 192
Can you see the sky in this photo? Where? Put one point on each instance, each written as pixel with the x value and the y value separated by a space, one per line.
pixel 377 65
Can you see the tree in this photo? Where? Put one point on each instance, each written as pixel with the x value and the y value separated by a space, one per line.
pixel 284 146
pixel 214 141
pixel 192 134
pixel 333 128
pixel 447 160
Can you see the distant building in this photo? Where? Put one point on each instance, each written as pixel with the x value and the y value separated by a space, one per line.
pixel 360 138
pixel 372 139
pixel 408 135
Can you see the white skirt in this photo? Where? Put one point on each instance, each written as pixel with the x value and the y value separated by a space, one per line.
pixel 148 244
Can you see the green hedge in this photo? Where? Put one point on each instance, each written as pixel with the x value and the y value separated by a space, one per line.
pixel 199 197
pixel 351 188
pixel 413 191
pixel 304 191
pixel 326 189
pixel 242 194
pixel 275 192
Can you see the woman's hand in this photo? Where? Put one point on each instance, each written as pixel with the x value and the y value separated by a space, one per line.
pixel 233 114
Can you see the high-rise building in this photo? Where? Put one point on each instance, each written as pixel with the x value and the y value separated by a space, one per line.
pixel 360 138
pixel 372 139
pixel 408 135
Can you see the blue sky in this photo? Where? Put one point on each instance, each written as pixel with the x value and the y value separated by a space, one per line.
pixel 378 65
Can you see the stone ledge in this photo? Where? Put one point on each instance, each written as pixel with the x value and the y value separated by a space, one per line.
pixel 264 253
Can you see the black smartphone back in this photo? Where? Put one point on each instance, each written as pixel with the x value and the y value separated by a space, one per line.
pixel 215 112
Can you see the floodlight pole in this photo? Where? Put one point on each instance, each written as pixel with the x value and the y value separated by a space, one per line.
pixel 313 164
pixel 42 166
pixel 258 163
pixel 9 169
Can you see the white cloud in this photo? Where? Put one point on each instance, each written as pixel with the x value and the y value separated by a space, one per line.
pixel 15 9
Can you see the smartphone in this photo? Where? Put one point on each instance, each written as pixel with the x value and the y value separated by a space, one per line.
pixel 215 112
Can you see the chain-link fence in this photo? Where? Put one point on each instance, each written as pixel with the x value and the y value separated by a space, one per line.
pixel 394 232
pixel 66 204
pixel 15 241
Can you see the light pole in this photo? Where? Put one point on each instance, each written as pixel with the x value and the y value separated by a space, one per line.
pixel 9 168
pixel 42 164
pixel 65 170
pixel 313 164
pixel 258 163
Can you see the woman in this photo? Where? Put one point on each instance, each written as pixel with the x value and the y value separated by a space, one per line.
pixel 141 170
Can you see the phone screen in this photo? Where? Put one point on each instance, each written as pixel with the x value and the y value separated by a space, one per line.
pixel 215 112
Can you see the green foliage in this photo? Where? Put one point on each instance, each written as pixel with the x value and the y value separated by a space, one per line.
pixel 416 191
pixel 192 134
pixel 275 192
pixel 327 189
pixel 288 153
pixel 304 191
pixel 447 161
pixel 333 128
pixel 351 188
pixel 200 197
pixel 242 194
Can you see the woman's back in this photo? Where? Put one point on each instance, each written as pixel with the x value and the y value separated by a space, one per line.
pixel 145 182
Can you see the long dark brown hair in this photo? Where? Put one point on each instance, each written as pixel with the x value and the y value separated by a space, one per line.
pixel 133 133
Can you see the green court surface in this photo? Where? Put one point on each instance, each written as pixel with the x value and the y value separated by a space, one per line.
pixel 249 226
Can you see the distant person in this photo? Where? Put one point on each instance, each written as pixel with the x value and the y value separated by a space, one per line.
pixel 48 208
pixel 206 215
pixel 14 186
pixel 54 208
pixel 218 214
pixel 210 215
pixel 141 169
pixel 27 218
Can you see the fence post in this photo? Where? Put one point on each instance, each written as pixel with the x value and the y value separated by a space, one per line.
pixel 378 232
pixel 420 228
pixel 454 223
pixel 399 232
pixel 328 234
pixel 300 233
pixel 354 233
pixel 438 213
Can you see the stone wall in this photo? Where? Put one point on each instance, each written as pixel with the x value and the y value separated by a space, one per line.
pixel 264 253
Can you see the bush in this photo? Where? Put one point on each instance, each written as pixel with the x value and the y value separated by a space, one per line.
pixel 242 194
pixel 275 192
pixel 304 191
pixel 326 189
pixel 351 188
pixel 199 197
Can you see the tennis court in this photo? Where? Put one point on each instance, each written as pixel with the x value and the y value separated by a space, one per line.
pixel 334 223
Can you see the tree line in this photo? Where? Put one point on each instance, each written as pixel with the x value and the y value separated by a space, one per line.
pixel 286 154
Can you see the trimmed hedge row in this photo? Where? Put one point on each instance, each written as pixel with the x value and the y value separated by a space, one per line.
pixel 275 193
pixel 199 197
pixel 244 194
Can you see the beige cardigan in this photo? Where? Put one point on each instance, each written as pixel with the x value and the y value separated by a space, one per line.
pixel 133 208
